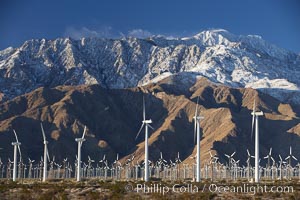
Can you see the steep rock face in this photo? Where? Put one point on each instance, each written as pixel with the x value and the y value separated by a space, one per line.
pixel 236 61
pixel 113 117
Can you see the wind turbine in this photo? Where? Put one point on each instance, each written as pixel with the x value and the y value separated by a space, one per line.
pixel 255 121
pixel 162 160
pixel 116 162
pixel 129 160
pixel 280 166
pixel 117 166
pixel 269 157
pixel 145 123
pixel 249 156
pixel 177 160
pixel 197 138
pixel 102 161
pixel 16 145
pixel 230 158
pixel 90 167
pixel 290 157
pixel 46 154
pixel 79 141
pixel 213 161
pixel 30 167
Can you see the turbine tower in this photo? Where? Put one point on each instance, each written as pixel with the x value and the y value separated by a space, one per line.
pixel 255 121
pixel 16 145
pixel 79 141
pixel 197 138
pixel 46 154
pixel 147 124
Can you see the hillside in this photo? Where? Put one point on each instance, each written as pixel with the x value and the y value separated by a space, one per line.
pixel 113 117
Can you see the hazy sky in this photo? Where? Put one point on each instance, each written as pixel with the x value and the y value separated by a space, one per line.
pixel 277 21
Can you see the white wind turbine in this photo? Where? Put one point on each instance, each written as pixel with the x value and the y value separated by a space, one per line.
pixel 79 141
pixel 249 156
pixel 16 145
pixel 269 157
pixel 280 166
pixel 177 160
pixel 255 121
pixel 230 158
pixel 197 138
pixel 290 157
pixel 161 161
pixel 147 124
pixel 213 161
pixel 46 154
pixel 116 162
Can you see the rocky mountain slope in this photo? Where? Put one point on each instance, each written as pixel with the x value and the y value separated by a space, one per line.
pixel 236 61
pixel 113 117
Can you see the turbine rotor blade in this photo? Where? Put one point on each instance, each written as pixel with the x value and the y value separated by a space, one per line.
pixel 232 154
pixel 20 152
pixel 273 159
pixel 43 132
pixel 48 155
pixel 270 151
pixel 150 126
pixel 84 132
pixel 139 131
pixel 196 111
pixel 195 118
pixel 287 157
pixel 253 120
pixel 144 109
pixel 294 158
pixel 16 136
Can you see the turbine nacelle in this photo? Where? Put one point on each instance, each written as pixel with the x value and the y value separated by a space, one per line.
pixel 198 117
pixel 16 143
pixel 79 139
pixel 257 113
pixel 147 121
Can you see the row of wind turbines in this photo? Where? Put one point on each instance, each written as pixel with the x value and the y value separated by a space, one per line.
pixel 132 169
pixel 148 169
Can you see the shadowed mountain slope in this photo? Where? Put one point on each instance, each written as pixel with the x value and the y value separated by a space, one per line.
pixel 113 117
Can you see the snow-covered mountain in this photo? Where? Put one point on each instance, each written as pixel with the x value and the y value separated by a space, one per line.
pixel 236 61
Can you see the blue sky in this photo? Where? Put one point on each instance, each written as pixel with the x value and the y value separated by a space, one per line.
pixel 277 21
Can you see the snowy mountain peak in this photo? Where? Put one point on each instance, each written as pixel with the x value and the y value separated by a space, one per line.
pixel 215 37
